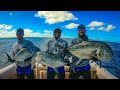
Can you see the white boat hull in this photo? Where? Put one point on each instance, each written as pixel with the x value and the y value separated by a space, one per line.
pixel 9 72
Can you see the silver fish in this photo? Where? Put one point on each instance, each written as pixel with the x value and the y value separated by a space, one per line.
pixel 50 59
pixel 88 49
pixel 24 54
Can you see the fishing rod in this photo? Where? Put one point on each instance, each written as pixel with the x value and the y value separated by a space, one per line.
pixel 93 58
pixel 98 40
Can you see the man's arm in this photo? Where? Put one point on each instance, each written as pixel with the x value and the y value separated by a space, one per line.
pixel 13 51
pixel 71 57
pixel 66 45
pixel 73 42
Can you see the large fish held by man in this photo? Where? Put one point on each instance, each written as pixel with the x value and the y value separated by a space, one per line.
pixel 24 54
pixel 88 49
pixel 91 50
pixel 50 59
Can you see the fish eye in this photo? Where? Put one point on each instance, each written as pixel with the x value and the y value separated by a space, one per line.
pixel 99 54
pixel 95 54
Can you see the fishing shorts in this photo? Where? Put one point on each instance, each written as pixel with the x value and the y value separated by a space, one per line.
pixel 60 69
pixel 84 68
pixel 24 70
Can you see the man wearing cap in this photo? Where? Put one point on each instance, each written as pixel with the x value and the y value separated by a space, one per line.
pixel 84 69
pixel 52 47
pixel 23 68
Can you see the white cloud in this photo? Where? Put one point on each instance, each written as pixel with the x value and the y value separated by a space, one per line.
pixel 108 28
pixel 47 31
pixel 92 28
pixel 71 26
pixel 11 14
pixel 27 30
pixel 101 28
pixel 8 31
pixel 5 34
pixel 5 27
pixel 52 17
pixel 95 23
pixel 30 33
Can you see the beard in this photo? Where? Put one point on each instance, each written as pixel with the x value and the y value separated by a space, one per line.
pixel 81 35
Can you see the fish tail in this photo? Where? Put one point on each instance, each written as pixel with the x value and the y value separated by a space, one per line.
pixel 9 58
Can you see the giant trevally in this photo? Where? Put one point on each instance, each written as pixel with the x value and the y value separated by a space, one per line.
pixel 24 54
pixel 88 49
pixel 50 59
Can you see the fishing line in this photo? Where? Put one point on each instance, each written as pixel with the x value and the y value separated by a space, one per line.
pixel 100 63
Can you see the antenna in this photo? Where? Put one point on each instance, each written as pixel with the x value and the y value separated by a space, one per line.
pixel 97 35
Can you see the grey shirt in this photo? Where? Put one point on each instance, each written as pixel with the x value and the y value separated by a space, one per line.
pixel 51 45
pixel 76 41
pixel 19 44
pixel 52 48
pixel 79 40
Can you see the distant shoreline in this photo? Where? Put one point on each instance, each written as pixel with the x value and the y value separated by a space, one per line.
pixel 51 38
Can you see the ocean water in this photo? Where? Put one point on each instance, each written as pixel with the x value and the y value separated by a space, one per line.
pixel 112 66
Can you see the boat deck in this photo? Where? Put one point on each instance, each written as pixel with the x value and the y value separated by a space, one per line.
pixel 9 72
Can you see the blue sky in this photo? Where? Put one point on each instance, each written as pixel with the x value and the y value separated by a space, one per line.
pixel 100 25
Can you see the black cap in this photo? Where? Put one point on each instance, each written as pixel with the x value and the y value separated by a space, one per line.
pixel 20 31
pixel 57 30
pixel 81 26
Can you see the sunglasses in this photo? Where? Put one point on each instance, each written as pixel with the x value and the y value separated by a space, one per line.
pixel 81 30
pixel 57 32
pixel 21 33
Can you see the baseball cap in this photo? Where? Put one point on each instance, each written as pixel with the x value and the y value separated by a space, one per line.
pixel 57 30
pixel 20 31
pixel 81 27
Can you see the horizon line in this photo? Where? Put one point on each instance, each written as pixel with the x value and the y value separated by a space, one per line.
pixel 52 37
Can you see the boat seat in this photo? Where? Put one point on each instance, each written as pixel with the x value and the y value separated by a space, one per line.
pixel 41 73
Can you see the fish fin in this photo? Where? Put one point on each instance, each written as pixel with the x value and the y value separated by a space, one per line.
pixel 78 62
pixel 58 45
pixel 6 63
pixel 10 59
pixel 56 70
pixel 27 59
pixel 92 61
pixel 73 69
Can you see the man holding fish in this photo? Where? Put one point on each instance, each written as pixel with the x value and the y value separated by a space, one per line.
pixel 84 69
pixel 52 47
pixel 23 67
